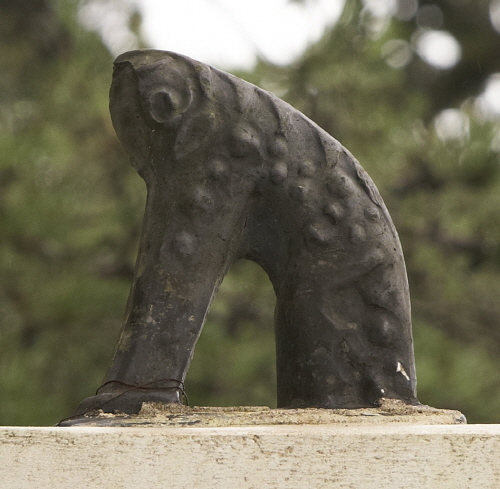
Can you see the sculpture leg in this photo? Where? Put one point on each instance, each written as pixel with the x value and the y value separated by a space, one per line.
pixel 178 270
pixel 343 342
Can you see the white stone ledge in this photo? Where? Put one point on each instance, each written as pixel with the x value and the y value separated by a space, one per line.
pixel 363 456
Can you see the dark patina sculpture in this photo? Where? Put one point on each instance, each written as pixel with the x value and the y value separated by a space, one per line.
pixel 233 172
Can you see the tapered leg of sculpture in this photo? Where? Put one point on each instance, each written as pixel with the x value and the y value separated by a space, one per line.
pixel 177 274
pixel 343 343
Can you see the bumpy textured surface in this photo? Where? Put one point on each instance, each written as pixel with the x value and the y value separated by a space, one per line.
pixel 233 172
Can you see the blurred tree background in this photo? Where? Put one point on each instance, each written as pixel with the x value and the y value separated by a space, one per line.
pixel 425 127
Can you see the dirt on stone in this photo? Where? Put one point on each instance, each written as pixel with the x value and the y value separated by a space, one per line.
pixel 178 415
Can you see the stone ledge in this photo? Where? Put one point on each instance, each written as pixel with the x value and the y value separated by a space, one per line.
pixel 340 456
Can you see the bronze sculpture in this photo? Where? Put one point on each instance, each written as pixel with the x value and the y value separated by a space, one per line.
pixel 234 172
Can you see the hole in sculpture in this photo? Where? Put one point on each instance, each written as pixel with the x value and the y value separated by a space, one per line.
pixel 235 361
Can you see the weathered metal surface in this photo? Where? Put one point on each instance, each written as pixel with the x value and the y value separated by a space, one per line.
pixel 233 172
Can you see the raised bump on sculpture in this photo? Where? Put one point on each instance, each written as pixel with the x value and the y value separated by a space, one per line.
pixel 372 214
pixel 278 172
pixel 300 191
pixel 307 169
pixel 185 243
pixel 334 211
pixel 357 234
pixel 244 141
pixel 218 169
pixel 278 148
pixel 202 199
pixel 241 174
pixel 320 233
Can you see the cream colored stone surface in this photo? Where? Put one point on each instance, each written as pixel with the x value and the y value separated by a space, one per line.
pixel 355 456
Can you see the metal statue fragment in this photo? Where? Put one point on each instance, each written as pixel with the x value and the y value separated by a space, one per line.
pixel 234 172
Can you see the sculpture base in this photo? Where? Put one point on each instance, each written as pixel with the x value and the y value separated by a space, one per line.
pixel 340 455
pixel 178 416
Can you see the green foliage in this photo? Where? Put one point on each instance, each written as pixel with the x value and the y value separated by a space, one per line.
pixel 70 209
pixel 69 213
pixel 233 363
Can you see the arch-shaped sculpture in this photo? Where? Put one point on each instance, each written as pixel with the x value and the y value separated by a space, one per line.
pixel 234 172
